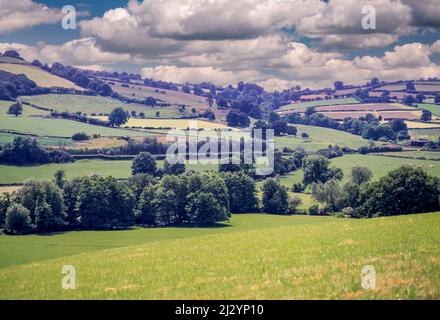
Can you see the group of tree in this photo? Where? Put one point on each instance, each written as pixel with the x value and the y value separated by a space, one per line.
pixel 279 125
pixel 14 85
pixel 104 203
pixel 24 150
pixel 369 127
pixel 405 190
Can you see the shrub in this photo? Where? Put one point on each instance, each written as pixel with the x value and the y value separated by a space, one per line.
pixel 314 210
pixel 293 203
pixel 80 136
pixel 18 219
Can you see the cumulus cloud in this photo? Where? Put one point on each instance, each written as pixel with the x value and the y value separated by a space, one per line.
pixel 20 14
pixel 201 19
pixel 75 52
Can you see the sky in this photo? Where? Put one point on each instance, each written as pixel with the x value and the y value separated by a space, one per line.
pixel 275 43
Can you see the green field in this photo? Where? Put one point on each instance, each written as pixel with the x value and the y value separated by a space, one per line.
pixel 430 134
pixel 434 108
pixel 414 154
pixel 302 106
pixel 95 104
pixel 50 142
pixel 379 165
pixel 119 169
pixel 319 138
pixel 253 257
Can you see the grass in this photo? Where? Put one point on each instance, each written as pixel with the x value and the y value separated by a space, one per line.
pixel 430 134
pixel 119 169
pixel 32 122
pixel 302 106
pixel 320 138
pixel 40 77
pixel 15 174
pixel 379 165
pixel 414 154
pixel 434 108
pixel 170 123
pixel 45 141
pixel 421 125
pixel 253 257
pixel 95 104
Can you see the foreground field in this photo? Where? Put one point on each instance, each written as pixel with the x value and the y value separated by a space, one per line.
pixel 253 257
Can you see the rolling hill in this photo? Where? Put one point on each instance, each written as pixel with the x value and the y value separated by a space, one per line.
pixel 40 77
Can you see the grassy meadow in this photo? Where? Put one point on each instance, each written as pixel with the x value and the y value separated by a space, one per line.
pixel 95 104
pixel 252 257
pixel 319 138
pixel 379 166
pixel 120 169
pixel 39 76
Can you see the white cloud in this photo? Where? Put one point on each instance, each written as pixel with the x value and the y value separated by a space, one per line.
pixel 76 52
pixel 20 14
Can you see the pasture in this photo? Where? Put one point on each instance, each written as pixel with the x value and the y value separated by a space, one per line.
pixel 319 138
pixel 120 169
pixel 386 115
pixel 430 134
pixel 379 166
pixel 169 96
pixel 95 104
pixel 365 107
pixel 434 108
pixel 41 77
pixel 268 257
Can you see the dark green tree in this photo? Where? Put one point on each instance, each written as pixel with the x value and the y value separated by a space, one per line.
pixel 317 169
pixel 118 117
pixel 144 163
pixel 275 200
pixel 242 192
pixel 18 219
pixel 16 109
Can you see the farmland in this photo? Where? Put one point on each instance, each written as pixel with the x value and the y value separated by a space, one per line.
pixel 120 169
pixel 364 107
pixel 170 123
pixel 379 166
pixel 430 134
pixel 434 108
pixel 302 106
pixel 95 104
pixel 169 96
pixel 268 257
pixel 386 115
pixel 39 76
pixel 319 138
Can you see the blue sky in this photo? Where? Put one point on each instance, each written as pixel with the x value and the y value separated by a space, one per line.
pixel 276 44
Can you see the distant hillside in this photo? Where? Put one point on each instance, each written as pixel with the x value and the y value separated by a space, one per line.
pixel 40 77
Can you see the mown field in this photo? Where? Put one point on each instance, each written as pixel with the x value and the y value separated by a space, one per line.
pixel 170 123
pixel 95 104
pixel 301 106
pixel 40 77
pixel 119 169
pixel 252 257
